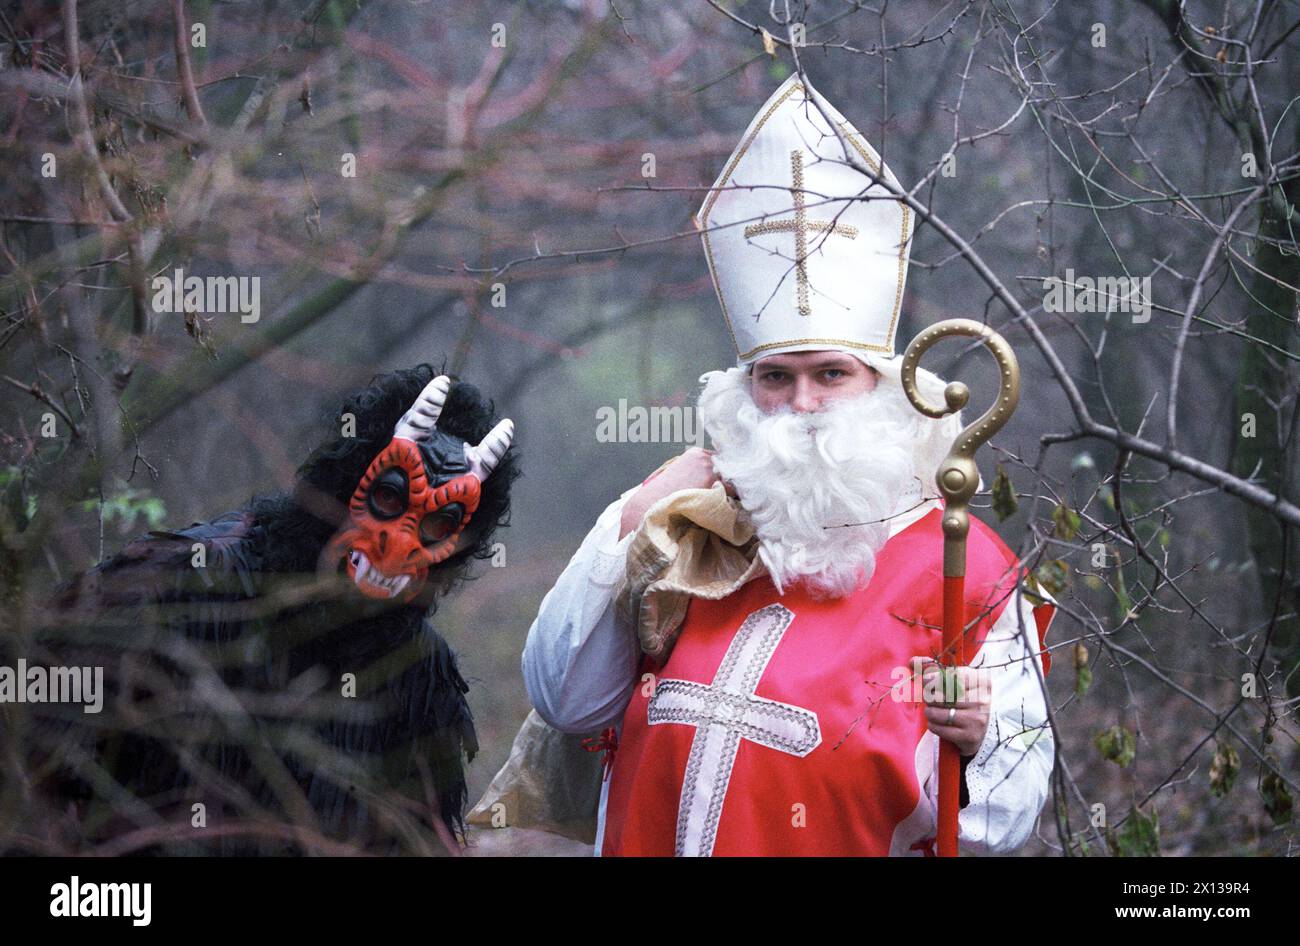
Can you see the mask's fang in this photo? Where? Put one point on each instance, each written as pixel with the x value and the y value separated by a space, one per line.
pixel 366 575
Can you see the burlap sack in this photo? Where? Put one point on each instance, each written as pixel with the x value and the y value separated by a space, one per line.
pixel 695 542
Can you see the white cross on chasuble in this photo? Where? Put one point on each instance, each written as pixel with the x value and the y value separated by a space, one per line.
pixel 723 713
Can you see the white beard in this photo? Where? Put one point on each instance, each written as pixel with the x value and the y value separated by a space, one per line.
pixel 819 487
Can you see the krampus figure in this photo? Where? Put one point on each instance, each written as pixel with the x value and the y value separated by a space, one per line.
pixel 272 681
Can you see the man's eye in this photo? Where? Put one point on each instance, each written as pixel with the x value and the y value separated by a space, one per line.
pixel 437 526
pixel 834 374
pixel 388 495
pixel 774 377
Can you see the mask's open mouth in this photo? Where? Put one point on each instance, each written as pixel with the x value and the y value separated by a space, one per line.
pixel 371 582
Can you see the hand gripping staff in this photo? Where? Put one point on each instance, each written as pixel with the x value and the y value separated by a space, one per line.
pixel 957 480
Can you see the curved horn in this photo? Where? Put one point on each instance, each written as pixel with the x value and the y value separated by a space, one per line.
pixel 418 422
pixel 484 458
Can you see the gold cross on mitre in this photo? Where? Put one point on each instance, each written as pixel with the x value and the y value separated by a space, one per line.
pixel 801 226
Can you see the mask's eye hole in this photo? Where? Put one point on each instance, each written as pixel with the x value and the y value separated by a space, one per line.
pixel 388 495
pixel 437 526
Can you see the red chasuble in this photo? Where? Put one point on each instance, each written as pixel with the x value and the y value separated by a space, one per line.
pixel 772 729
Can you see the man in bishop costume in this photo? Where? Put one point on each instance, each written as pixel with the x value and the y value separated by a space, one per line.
pixel 754 626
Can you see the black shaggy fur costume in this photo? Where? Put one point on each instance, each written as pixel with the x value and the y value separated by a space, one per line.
pixel 179 642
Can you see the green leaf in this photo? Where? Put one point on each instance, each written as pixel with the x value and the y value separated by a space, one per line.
pixel 1121 596
pixel 154 512
pixel 1223 769
pixel 20 503
pixel 953 689
pixel 1118 745
pixel 1277 798
pixel 1139 836
pixel 943 684
pixel 1033 590
pixel 1067 522
pixel 1053 577
pixel 1082 672
pixel 128 505
pixel 1004 495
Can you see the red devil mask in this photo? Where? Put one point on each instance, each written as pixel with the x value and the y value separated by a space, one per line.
pixel 416 498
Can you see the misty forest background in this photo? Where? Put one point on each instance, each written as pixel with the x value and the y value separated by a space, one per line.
pixel 563 161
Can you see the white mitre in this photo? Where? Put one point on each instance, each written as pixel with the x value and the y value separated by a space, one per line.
pixel 809 253
pixel 799 259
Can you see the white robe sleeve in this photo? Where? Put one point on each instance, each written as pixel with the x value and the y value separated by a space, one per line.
pixel 1009 777
pixel 580 659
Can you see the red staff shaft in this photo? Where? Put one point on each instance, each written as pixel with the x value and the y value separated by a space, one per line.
pixel 954 654
pixel 957 479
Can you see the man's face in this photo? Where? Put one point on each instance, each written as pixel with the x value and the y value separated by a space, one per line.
pixel 806 381
pixel 809 419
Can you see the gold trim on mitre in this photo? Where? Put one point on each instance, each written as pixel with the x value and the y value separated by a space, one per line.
pixel 700 219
